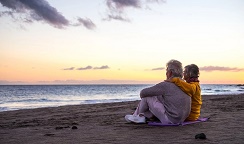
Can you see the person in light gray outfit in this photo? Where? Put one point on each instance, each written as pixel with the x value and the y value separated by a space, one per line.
pixel 165 100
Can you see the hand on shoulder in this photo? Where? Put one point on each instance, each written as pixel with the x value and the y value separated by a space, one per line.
pixel 171 79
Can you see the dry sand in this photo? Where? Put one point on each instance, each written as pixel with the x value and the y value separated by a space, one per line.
pixel 104 123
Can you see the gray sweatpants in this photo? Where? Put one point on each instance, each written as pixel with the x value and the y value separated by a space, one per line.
pixel 152 106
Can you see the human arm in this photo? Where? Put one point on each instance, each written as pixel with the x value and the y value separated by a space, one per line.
pixel 188 88
pixel 155 90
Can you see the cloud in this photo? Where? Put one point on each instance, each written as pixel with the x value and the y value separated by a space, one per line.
pixel 4 82
pixel 102 67
pixel 84 68
pixel 39 10
pixel 219 68
pixel 117 7
pixel 121 4
pixel 87 68
pixel 116 17
pixel 71 68
pixel 160 68
pixel 28 11
pixel 86 23
pixel 10 13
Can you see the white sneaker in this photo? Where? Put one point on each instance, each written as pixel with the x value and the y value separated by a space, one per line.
pixel 135 118
pixel 127 118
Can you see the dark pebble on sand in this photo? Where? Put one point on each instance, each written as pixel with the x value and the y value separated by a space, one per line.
pixel 200 136
pixel 74 127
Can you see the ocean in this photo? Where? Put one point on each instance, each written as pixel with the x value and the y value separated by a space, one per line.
pixel 16 97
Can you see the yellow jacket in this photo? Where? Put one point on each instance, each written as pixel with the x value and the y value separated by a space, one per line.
pixel 194 91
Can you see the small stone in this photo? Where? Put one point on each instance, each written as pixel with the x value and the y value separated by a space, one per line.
pixel 74 127
pixel 200 136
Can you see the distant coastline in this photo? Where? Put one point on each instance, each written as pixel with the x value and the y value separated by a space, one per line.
pixel 95 82
pixel 53 84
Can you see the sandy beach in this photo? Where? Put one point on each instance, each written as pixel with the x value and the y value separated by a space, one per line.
pixel 104 123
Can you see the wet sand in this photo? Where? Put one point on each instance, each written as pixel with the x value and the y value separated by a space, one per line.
pixel 104 123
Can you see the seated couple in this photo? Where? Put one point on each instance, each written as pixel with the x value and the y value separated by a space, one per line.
pixel 172 101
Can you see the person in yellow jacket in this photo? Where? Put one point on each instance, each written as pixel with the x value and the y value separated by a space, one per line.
pixel 192 88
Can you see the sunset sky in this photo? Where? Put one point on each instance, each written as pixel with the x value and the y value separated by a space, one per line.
pixel 119 41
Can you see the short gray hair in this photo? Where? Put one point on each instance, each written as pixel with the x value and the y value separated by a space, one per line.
pixel 175 67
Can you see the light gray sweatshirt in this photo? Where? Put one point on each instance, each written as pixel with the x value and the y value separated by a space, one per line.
pixel 177 103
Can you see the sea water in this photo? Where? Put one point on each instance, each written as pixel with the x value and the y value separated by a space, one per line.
pixel 15 97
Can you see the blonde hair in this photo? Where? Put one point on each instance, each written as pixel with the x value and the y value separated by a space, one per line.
pixel 175 67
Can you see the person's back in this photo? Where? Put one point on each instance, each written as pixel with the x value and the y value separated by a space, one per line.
pixel 165 100
pixel 177 103
pixel 192 88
